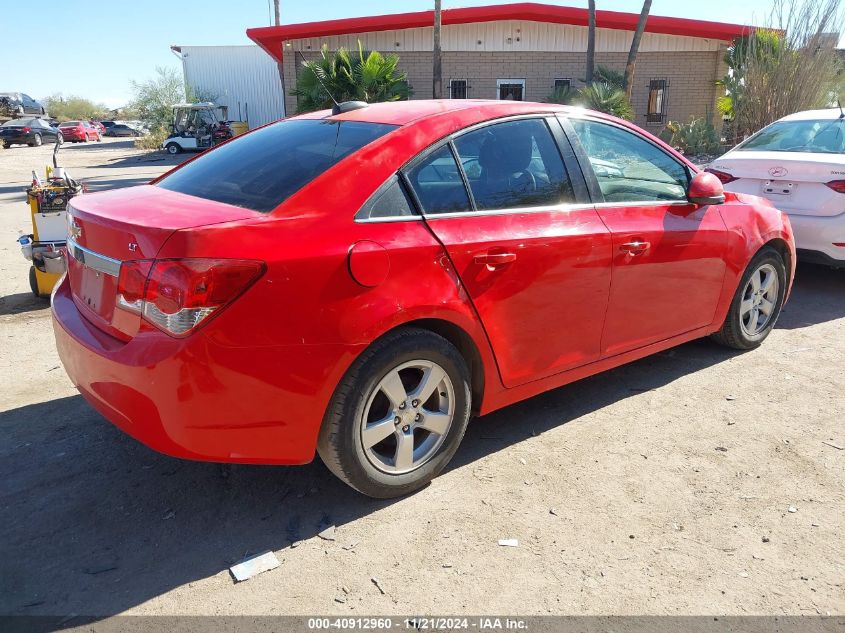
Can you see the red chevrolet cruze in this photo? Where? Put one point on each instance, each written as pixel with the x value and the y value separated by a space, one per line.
pixel 361 282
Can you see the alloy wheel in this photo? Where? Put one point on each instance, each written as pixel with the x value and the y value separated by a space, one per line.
pixel 759 299
pixel 407 417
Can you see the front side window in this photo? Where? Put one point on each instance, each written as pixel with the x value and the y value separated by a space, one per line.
pixel 262 169
pixel 814 137
pixel 629 168
pixel 437 183
pixel 514 164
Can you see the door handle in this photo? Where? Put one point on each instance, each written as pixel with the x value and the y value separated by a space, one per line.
pixel 494 259
pixel 635 248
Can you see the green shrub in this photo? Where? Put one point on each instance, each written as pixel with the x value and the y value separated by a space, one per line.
pixel 153 140
pixel 605 98
pixel 696 137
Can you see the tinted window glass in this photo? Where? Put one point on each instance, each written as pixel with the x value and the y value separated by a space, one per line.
pixel 438 183
pixel 815 137
pixel 629 168
pixel 514 164
pixel 262 169
pixel 389 201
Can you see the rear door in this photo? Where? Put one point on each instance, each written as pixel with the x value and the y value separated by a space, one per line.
pixel 503 199
pixel 668 254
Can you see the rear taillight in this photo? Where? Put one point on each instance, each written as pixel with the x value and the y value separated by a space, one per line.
pixel 27 130
pixel 837 185
pixel 721 175
pixel 177 295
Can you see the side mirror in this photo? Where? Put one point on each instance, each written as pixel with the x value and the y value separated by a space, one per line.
pixel 706 189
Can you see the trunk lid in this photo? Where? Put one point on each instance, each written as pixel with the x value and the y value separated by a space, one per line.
pixel 108 228
pixel 793 181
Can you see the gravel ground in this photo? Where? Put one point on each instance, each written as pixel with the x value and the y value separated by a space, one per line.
pixel 663 487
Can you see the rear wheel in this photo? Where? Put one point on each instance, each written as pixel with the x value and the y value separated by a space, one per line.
pixel 36 141
pixel 33 281
pixel 757 303
pixel 398 416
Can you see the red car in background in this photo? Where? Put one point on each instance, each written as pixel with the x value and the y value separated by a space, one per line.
pixel 99 127
pixel 360 282
pixel 76 131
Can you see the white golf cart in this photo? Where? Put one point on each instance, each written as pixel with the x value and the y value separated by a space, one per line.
pixel 197 127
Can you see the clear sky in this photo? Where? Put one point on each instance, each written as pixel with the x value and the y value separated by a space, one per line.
pixel 99 45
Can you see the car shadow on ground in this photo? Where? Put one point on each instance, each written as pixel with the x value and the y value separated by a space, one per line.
pixel 817 297
pixel 94 523
pixel 22 302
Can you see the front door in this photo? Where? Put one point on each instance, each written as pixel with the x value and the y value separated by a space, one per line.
pixel 668 254
pixel 535 264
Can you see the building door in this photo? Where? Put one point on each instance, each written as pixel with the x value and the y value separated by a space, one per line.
pixel 510 89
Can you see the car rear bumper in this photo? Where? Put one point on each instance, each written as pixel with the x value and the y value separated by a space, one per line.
pixel 17 139
pixel 815 234
pixel 194 398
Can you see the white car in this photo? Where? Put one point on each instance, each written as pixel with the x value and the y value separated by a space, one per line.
pixel 798 163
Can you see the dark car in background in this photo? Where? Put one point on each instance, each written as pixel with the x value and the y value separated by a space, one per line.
pixel 119 129
pixel 32 132
pixel 18 104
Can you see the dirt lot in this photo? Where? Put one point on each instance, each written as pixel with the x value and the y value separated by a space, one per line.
pixel 663 487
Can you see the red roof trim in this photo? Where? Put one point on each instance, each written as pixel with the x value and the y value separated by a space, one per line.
pixel 270 38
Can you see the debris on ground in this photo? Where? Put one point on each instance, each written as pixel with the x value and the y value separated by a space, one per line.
pixel 792 509
pixel 508 542
pixel 765 539
pixel 253 566
pixel 327 534
pixel 832 445
pixel 721 449
pixel 340 599
pixel 378 585
pixel 351 546
pixel 553 511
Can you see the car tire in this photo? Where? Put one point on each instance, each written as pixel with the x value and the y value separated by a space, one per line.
pixel 406 359
pixel 36 141
pixel 173 148
pixel 762 287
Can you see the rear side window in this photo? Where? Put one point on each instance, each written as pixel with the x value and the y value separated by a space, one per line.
pixel 262 169
pixel 514 164
pixel 390 201
pixel 438 184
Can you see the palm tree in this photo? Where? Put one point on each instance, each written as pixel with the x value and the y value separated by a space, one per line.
pixel 604 98
pixel 365 76
pixel 437 70
pixel 628 83
pixel 591 41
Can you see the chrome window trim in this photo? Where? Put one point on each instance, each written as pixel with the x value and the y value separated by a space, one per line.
pixel 394 218
pixel 89 258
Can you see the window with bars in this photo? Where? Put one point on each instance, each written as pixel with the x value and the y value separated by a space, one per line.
pixel 657 89
pixel 458 89
pixel 563 84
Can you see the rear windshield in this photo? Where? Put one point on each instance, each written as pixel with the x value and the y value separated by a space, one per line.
pixel 18 123
pixel 815 137
pixel 69 124
pixel 261 170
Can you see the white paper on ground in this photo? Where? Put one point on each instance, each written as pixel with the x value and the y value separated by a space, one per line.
pixel 253 566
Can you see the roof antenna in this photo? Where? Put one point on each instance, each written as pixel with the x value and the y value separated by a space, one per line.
pixel 841 111
pixel 340 108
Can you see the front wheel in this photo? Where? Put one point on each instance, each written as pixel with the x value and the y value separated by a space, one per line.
pixel 757 303
pixel 399 414
pixel 173 148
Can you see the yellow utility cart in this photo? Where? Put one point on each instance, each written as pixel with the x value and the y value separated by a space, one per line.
pixel 45 246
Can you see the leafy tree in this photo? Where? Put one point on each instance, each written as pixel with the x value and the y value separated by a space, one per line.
pixel 365 76
pixel 605 98
pixel 72 108
pixel 154 99
pixel 788 67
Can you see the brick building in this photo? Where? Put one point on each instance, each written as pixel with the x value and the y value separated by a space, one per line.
pixel 526 50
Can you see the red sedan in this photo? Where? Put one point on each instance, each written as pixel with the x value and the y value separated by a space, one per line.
pixel 76 131
pixel 360 283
